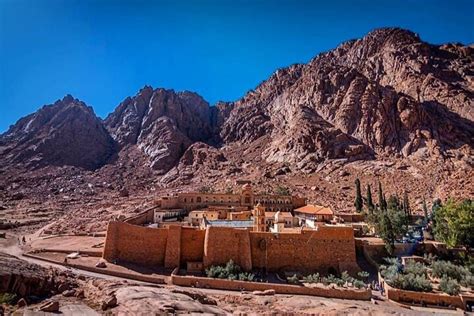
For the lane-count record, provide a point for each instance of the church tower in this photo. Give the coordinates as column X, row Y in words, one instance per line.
column 259, row 219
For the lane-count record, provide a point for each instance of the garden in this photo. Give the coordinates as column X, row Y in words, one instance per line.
column 431, row 275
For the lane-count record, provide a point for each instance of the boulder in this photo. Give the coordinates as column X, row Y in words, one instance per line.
column 51, row 307
column 22, row 303
column 101, row 264
column 109, row 302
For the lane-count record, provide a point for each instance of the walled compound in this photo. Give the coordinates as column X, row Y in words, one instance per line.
column 254, row 245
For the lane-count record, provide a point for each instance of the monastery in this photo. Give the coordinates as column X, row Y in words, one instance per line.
column 267, row 232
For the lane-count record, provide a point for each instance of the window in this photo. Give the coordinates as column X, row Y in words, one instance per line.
column 198, row 199
column 247, row 199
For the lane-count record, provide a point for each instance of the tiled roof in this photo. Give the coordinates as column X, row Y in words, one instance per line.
column 314, row 210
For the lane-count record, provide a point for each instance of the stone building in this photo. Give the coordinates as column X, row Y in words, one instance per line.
column 246, row 200
column 309, row 215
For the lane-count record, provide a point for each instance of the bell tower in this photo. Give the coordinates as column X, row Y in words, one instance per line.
column 259, row 219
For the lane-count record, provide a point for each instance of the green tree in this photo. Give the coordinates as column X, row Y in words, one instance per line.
column 454, row 223
column 358, row 200
column 281, row 190
column 406, row 203
column 370, row 203
column 385, row 231
column 425, row 211
column 382, row 201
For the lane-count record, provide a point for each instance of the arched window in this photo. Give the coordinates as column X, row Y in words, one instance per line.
column 198, row 199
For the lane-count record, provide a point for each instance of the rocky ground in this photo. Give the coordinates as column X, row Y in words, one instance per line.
column 61, row 291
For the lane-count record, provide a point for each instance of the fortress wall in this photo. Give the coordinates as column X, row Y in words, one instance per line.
column 222, row 244
column 142, row 218
column 135, row 244
column 192, row 245
column 329, row 247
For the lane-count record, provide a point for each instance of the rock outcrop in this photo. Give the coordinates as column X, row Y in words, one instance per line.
column 162, row 123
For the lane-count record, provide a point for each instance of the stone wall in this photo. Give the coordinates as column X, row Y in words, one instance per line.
column 136, row 244
column 222, row 244
column 422, row 298
column 146, row 216
column 352, row 294
column 192, row 245
column 322, row 250
column 328, row 249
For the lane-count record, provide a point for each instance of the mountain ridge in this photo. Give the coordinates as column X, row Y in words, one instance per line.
column 388, row 95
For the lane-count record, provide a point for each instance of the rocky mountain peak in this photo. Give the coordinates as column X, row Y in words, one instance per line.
column 64, row 133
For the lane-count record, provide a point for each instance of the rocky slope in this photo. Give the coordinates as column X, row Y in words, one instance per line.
column 388, row 94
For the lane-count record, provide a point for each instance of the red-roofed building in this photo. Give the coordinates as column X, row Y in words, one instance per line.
column 311, row 214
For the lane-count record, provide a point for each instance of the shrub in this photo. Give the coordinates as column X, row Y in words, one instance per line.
column 8, row 298
column 448, row 269
column 312, row 278
column 468, row 281
column 330, row 279
column 363, row 275
column 392, row 268
column 416, row 268
column 449, row 286
column 359, row 284
column 411, row 282
column 230, row 271
column 293, row 279
column 246, row 276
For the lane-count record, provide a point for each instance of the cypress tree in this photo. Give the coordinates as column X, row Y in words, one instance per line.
column 425, row 211
column 406, row 204
column 382, row 200
column 358, row 203
column 370, row 203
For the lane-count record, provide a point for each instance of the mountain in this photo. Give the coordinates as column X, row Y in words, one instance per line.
column 64, row 133
column 163, row 124
column 388, row 107
column 386, row 94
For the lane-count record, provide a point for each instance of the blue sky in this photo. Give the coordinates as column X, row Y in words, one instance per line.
column 104, row 51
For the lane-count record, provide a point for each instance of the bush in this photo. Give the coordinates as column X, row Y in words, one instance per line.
column 230, row 271
column 363, row 275
column 312, row 278
column 8, row 298
column 246, row 276
column 449, row 286
column 411, row 282
column 416, row 268
column 359, row 284
column 448, row 269
column 293, row 279
column 468, row 281
column 281, row 190
column 393, row 268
